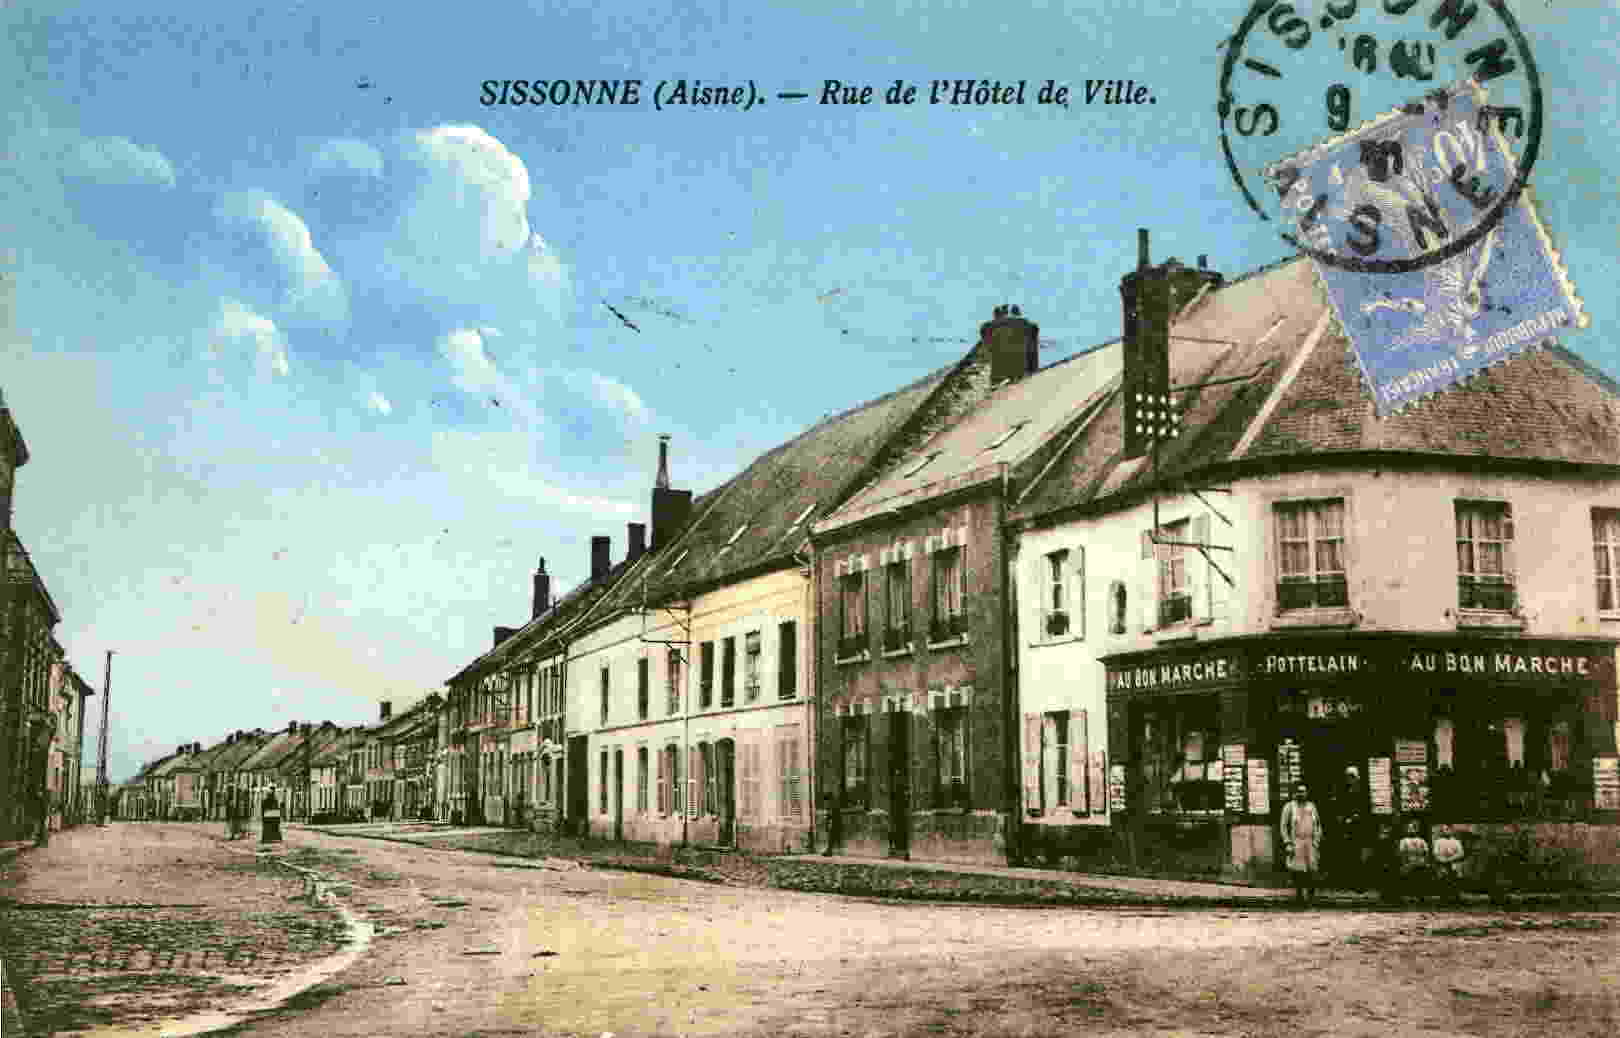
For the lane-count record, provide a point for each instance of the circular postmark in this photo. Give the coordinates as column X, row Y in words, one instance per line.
column 1302, row 81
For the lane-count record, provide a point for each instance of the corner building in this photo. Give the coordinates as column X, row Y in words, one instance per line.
column 1416, row 615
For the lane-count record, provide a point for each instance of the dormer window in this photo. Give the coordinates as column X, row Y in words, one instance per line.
column 1012, row 431
column 919, row 466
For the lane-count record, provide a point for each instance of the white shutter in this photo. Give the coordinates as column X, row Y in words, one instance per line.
column 1097, row 779
column 1199, row 574
column 1032, row 763
column 1077, row 762
column 1049, row 763
column 663, row 785
column 694, row 779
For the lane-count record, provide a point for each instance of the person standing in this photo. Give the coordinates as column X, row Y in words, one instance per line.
column 1301, row 825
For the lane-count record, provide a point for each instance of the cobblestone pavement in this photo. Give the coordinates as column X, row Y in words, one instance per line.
column 481, row 944
column 134, row 923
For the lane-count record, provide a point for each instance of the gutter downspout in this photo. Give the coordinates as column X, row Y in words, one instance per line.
column 812, row 688
column 1011, row 749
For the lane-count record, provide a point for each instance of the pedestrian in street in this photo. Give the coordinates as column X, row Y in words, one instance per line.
column 1347, row 858
column 1412, row 859
column 1301, row 825
column 1448, row 860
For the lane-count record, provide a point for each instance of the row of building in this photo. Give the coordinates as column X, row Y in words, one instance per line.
column 1108, row 610
column 43, row 699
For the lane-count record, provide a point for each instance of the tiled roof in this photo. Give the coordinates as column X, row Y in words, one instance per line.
column 1014, row 425
column 339, row 747
column 1295, row 391
column 231, row 758
column 776, row 498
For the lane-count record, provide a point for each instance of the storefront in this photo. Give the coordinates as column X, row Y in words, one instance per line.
column 1482, row 734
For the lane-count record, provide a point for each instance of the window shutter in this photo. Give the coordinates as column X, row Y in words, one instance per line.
column 674, row 754
column 1098, row 782
column 1509, row 569
column 1147, row 545
column 783, row 807
column 797, row 794
column 1032, row 763
column 1199, row 569
column 694, row 782
column 663, row 786
column 1049, row 763
column 1077, row 762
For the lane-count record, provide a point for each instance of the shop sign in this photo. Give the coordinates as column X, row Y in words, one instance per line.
column 1307, row 664
column 1289, row 768
column 1174, row 675
column 1500, row 664
column 1259, row 776
column 1233, row 774
column 1606, row 783
column 1381, row 785
column 1326, row 708
column 1411, row 751
column 1414, row 788
column 1116, row 789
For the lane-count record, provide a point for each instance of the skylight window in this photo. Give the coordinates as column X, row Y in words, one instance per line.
column 678, row 559
column 803, row 515
column 1012, row 431
column 920, row 465
column 736, row 535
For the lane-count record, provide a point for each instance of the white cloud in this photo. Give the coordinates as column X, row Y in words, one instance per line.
column 236, row 325
column 475, row 372
column 505, row 461
column 477, row 182
column 313, row 290
column 118, row 160
column 346, row 155
column 612, row 393
column 379, row 403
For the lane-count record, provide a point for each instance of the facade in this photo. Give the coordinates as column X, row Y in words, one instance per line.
column 1416, row 615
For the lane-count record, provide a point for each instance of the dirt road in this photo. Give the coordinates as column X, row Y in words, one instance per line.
column 474, row 944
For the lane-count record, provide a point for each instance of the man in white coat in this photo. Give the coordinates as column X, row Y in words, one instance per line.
column 1302, row 842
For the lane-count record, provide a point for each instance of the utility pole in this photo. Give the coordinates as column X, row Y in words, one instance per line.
column 101, row 765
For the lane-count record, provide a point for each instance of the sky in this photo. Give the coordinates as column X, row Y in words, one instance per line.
column 316, row 353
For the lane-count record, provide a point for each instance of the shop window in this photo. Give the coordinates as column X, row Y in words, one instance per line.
column 1310, row 555
column 951, row 752
column 856, row 790
column 1484, row 556
column 1180, row 754
column 897, row 582
column 752, row 649
column 950, row 595
column 1606, row 550
column 1508, row 765
column 852, row 615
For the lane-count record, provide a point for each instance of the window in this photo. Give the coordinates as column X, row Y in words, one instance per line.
column 751, row 654
column 643, row 689
column 1118, row 598
column 604, row 784
column 1055, row 759
column 787, row 660
column 950, row 594
column 669, row 781
column 789, row 758
column 1175, row 592
column 748, row 784
column 710, row 790
column 604, row 695
column 897, row 635
column 706, row 675
column 728, row 672
column 1310, row 555
column 694, row 779
column 641, row 780
column 1492, row 761
column 1055, row 600
column 1180, row 753
column 951, row 751
column 1484, row 556
column 1606, row 548
column 672, row 677
column 855, row 790
column 852, row 615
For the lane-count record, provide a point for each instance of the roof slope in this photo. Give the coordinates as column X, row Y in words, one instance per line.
column 1291, row 387
column 763, row 514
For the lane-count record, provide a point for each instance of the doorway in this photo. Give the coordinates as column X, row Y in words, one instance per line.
column 899, row 784
column 578, row 794
column 725, row 767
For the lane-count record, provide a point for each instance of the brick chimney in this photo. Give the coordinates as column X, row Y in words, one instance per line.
column 1011, row 342
column 503, row 633
column 638, row 541
column 1151, row 296
column 670, row 508
column 542, row 590
column 601, row 556
column 385, row 710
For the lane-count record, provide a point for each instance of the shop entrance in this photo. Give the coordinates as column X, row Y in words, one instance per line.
column 1333, row 738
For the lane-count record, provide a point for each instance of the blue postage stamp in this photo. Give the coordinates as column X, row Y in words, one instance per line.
column 1434, row 268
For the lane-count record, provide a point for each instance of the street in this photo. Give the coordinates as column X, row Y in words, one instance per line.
column 468, row 943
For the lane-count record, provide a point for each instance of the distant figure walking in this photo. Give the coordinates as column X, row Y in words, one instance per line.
column 270, row 817
column 1301, row 825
